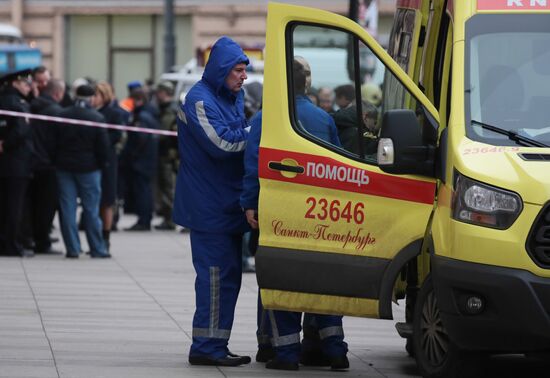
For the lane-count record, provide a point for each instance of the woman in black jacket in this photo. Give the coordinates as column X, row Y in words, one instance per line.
column 104, row 102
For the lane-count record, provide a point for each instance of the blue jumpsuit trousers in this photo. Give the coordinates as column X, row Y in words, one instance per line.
column 282, row 329
column 217, row 262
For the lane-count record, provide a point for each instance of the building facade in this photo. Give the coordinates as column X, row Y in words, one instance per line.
column 123, row 40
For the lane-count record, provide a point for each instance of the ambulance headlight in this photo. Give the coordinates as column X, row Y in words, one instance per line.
column 484, row 205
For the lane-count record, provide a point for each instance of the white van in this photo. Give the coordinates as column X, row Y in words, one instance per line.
column 187, row 76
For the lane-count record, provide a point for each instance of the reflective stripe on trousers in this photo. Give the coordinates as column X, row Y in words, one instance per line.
column 277, row 340
column 212, row 330
column 331, row 331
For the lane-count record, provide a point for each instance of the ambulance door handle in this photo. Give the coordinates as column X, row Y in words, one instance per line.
column 276, row 166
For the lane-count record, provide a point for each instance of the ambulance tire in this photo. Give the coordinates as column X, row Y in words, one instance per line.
column 436, row 355
column 409, row 347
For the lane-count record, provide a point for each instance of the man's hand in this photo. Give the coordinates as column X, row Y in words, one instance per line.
column 251, row 218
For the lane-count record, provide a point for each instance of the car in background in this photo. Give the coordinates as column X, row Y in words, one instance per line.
column 191, row 72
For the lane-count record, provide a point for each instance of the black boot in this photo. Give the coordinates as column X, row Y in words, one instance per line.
column 106, row 238
column 314, row 357
column 339, row 363
column 265, row 354
column 281, row 365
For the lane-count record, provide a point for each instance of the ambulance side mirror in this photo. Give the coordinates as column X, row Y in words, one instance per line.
column 403, row 147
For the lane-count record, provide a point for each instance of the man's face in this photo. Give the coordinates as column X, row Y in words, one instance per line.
column 342, row 102
column 41, row 80
column 236, row 77
column 370, row 123
column 23, row 86
column 163, row 96
column 59, row 94
column 325, row 99
column 307, row 70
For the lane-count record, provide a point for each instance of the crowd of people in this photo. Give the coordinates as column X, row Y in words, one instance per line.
column 55, row 165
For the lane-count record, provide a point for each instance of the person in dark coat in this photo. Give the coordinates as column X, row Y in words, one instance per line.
column 283, row 337
column 43, row 186
column 348, row 127
column 140, row 160
column 81, row 153
column 16, row 151
column 104, row 102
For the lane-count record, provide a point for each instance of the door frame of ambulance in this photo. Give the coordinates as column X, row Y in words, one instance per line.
column 334, row 228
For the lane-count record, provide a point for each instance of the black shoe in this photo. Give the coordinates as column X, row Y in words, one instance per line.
column 28, row 244
column 138, row 227
column 314, row 358
column 27, row 253
column 94, row 255
column 224, row 361
column 281, row 365
column 48, row 251
column 265, row 354
column 339, row 363
column 10, row 254
column 246, row 359
column 71, row 255
column 165, row 226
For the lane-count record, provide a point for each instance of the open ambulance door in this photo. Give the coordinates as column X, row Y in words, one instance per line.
column 335, row 230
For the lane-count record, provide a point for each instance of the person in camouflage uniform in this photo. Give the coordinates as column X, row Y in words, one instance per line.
column 168, row 155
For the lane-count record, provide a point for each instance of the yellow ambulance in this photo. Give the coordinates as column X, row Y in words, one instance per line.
column 439, row 188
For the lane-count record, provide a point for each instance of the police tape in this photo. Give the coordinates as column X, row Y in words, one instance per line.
column 87, row 123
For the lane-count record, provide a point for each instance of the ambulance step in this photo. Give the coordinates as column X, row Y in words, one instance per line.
column 405, row 330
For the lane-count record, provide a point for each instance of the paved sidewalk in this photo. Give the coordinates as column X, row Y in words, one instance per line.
column 130, row 316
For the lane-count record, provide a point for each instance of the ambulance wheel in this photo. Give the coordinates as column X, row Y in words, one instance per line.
column 436, row 355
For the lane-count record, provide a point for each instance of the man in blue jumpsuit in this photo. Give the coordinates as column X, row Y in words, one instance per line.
column 212, row 135
column 285, row 325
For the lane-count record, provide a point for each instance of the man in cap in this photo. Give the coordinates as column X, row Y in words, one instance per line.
column 81, row 153
column 15, row 160
column 168, row 154
column 128, row 103
column 139, row 159
column 212, row 133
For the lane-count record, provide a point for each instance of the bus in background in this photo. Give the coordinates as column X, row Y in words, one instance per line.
column 15, row 53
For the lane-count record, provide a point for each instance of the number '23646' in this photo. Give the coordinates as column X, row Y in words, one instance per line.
column 322, row 209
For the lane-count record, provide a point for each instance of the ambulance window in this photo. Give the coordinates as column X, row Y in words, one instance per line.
column 320, row 86
column 331, row 102
column 507, row 76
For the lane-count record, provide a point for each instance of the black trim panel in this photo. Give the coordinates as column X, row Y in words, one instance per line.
column 319, row 272
column 390, row 276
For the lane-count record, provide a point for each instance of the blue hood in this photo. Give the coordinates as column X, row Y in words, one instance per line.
column 225, row 54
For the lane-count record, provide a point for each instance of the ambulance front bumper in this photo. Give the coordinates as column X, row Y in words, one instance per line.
column 514, row 318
